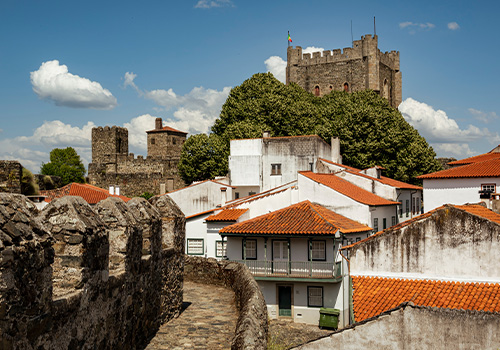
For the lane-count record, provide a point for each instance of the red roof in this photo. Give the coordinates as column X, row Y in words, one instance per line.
column 487, row 168
column 91, row 194
column 474, row 209
column 476, row 159
column 374, row 295
column 347, row 189
column 303, row 218
column 227, row 215
column 166, row 128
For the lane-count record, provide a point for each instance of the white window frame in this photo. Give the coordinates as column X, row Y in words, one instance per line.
column 189, row 248
column 220, row 247
column 247, row 249
column 276, row 169
column 314, row 296
column 320, row 251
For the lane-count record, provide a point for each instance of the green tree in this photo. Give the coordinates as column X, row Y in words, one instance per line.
column 66, row 164
column 28, row 185
column 203, row 157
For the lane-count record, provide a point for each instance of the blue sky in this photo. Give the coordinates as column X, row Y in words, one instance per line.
column 67, row 66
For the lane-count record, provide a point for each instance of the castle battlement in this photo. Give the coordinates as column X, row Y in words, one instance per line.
column 73, row 276
column 360, row 67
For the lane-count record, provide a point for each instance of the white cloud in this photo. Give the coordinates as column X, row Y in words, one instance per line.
column 194, row 112
column 277, row 66
column 442, row 132
column 137, row 128
column 453, row 26
column 485, row 117
column 312, row 49
column 206, row 4
column 414, row 26
column 129, row 80
column 53, row 82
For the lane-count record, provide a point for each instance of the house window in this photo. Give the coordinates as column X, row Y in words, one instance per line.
column 153, row 141
column 315, row 296
column 384, row 223
column 488, row 187
column 220, row 248
column 195, row 246
column 250, row 249
column 318, row 250
column 414, row 205
column 375, row 224
column 275, row 169
column 251, row 193
column 418, row 205
column 311, row 166
column 393, row 221
column 358, row 239
column 236, row 195
column 407, row 207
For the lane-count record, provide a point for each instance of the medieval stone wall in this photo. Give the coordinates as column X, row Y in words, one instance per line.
column 76, row 277
column 112, row 165
column 251, row 328
column 358, row 68
column 11, row 172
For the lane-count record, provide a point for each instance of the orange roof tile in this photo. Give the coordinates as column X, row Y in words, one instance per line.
column 387, row 181
column 475, row 209
column 227, row 215
column 374, row 295
column 91, row 194
column 487, row 168
column 475, row 159
column 347, row 189
column 166, row 128
column 303, row 218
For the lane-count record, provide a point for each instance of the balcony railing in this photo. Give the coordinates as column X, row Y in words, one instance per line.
column 293, row 269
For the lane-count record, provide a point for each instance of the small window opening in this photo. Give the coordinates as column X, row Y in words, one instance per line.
column 316, row 90
column 346, row 87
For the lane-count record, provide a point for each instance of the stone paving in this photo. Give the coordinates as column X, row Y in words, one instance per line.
column 207, row 322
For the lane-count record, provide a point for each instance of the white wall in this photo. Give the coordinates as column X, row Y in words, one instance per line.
column 370, row 185
column 200, row 197
column 454, row 191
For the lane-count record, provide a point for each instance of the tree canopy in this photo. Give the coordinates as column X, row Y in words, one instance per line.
column 371, row 132
column 66, row 164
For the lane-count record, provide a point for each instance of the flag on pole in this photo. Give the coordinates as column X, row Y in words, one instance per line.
column 289, row 39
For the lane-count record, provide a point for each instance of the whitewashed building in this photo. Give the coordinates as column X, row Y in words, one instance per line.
column 293, row 253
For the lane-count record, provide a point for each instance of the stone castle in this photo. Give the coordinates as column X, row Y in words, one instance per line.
column 358, row 68
column 113, row 167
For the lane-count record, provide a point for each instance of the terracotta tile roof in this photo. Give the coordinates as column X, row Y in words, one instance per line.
column 303, row 218
column 476, row 159
column 387, row 181
column 166, row 128
column 347, row 189
column 201, row 213
column 227, row 215
column 475, row 209
column 91, row 194
column 374, row 295
column 487, row 168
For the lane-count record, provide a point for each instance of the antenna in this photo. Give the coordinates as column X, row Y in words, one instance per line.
column 374, row 27
column 352, row 38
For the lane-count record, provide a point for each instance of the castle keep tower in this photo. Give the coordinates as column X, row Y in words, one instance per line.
column 358, row 68
column 113, row 167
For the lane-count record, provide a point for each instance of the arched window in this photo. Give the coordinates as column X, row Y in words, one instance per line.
column 316, row 90
column 346, row 87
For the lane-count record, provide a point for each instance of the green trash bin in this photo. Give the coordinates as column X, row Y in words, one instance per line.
column 329, row 318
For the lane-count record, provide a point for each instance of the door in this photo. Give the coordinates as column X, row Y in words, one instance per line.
column 280, row 257
column 285, row 301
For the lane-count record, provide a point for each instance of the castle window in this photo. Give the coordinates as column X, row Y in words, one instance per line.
column 174, row 140
column 316, row 90
column 153, row 141
column 346, row 87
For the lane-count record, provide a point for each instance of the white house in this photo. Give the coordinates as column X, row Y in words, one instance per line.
column 202, row 196
column 257, row 165
column 293, row 255
column 347, row 199
column 371, row 180
column 471, row 183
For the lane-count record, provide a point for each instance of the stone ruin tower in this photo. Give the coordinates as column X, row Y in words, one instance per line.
column 358, row 68
column 113, row 167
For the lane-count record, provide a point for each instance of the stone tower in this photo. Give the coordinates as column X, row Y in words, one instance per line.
column 108, row 144
column 164, row 142
column 358, row 68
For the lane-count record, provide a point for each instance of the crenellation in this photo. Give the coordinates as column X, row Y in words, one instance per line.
column 119, row 311
column 360, row 67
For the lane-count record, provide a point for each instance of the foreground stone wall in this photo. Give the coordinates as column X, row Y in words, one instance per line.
column 252, row 328
column 414, row 327
column 11, row 172
column 76, row 277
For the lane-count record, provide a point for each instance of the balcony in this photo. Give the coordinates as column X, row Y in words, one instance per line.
column 289, row 270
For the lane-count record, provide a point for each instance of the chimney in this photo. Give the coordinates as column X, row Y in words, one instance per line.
column 335, row 150
column 266, row 134
column 223, row 196
column 111, row 189
column 117, row 190
column 158, row 124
